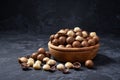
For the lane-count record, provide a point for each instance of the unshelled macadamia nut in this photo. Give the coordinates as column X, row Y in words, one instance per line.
column 89, row 64
column 22, row 60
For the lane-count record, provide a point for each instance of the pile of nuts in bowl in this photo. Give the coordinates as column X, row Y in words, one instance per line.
column 74, row 38
column 42, row 60
column 67, row 38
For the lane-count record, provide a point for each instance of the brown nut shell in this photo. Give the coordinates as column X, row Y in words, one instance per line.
column 70, row 40
column 76, row 44
column 89, row 64
column 41, row 51
column 40, row 57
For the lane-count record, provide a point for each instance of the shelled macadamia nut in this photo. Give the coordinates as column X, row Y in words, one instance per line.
column 46, row 59
column 37, row 65
column 69, row 65
column 68, row 46
column 79, row 38
column 46, row 67
column 60, row 67
column 84, row 34
column 51, row 62
column 70, row 33
column 93, row 34
column 30, row 62
column 77, row 29
column 61, row 46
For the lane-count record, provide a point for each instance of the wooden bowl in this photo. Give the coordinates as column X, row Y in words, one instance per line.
column 73, row 54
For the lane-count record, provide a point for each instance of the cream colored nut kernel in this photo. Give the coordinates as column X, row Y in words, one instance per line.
column 30, row 62
column 79, row 38
column 23, row 59
column 77, row 29
column 70, row 33
column 46, row 67
column 60, row 67
column 69, row 65
column 92, row 34
column 51, row 62
column 46, row 59
column 38, row 62
column 36, row 66
column 84, row 34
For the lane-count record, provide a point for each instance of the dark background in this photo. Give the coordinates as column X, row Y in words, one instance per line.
column 25, row 26
column 47, row 16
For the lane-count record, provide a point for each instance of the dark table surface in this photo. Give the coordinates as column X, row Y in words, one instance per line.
column 14, row 45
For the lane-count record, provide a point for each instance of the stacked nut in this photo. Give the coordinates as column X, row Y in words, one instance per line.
column 41, row 60
column 74, row 38
column 34, row 60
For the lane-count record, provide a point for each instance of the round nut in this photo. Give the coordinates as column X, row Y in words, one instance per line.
column 70, row 33
column 34, row 55
column 96, row 38
column 79, row 38
column 84, row 34
column 70, row 40
column 36, row 66
column 68, row 46
column 89, row 64
column 40, row 57
column 77, row 29
column 91, row 42
column 61, row 46
column 62, row 32
column 78, row 33
column 51, row 62
column 55, row 42
column 69, row 65
column 51, row 37
column 22, row 60
column 93, row 34
column 76, row 44
column 62, row 40
column 60, row 67
column 30, row 62
column 41, row 51
column 46, row 67
column 84, row 43
column 38, row 62
column 56, row 36
column 46, row 59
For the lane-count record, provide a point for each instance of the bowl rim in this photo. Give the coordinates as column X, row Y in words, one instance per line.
column 73, row 49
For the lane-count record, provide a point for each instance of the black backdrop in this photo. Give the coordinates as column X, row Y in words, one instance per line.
column 25, row 26
column 48, row 16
